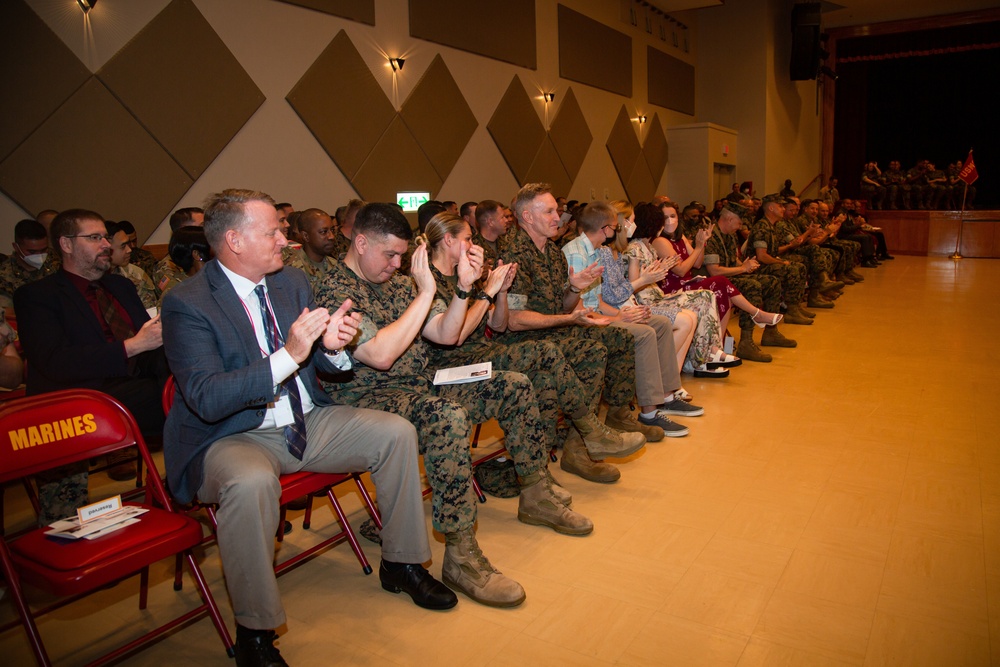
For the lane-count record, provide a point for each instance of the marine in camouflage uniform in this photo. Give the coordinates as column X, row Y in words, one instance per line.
column 893, row 178
column 13, row 275
column 340, row 245
column 557, row 386
column 762, row 290
column 913, row 187
column 936, row 188
column 540, row 284
column 443, row 415
column 792, row 275
column 144, row 259
column 143, row 284
column 817, row 260
column 315, row 272
column 871, row 186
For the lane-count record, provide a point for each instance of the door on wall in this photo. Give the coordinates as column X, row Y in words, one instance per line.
column 724, row 175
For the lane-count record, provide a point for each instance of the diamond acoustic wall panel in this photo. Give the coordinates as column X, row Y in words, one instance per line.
column 640, row 167
column 37, row 73
column 192, row 95
column 347, row 132
column 532, row 153
column 109, row 163
column 379, row 151
column 362, row 11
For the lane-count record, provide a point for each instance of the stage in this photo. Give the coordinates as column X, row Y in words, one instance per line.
column 935, row 232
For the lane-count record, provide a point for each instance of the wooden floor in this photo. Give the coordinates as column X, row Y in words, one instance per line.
column 839, row 506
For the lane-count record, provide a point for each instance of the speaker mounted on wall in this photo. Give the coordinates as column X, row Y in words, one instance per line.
column 805, row 61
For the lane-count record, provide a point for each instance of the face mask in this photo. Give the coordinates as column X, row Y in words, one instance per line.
column 629, row 229
column 565, row 217
column 35, row 260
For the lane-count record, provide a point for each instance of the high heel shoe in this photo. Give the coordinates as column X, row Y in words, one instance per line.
column 767, row 319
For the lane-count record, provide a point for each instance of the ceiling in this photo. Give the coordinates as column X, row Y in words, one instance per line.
column 857, row 12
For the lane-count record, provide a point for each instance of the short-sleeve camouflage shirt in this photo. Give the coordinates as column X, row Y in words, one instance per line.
column 763, row 235
column 380, row 305
column 541, row 274
column 721, row 249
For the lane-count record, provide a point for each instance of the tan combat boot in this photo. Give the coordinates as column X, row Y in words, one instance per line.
column 468, row 571
column 855, row 276
column 538, row 506
column 774, row 338
column 749, row 351
column 816, row 300
column 602, row 441
column 794, row 315
column 621, row 419
column 826, row 284
column 561, row 494
column 577, row 461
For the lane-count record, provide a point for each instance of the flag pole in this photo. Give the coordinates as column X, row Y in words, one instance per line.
column 961, row 225
column 961, row 214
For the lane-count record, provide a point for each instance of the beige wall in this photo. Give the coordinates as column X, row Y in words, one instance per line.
column 742, row 83
column 739, row 85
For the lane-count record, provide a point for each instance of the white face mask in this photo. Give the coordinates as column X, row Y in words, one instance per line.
column 565, row 217
column 629, row 229
column 36, row 260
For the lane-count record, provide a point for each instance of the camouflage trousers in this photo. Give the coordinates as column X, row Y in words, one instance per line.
column 444, row 418
column 792, row 277
column 874, row 194
column 559, row 385
column 817, row 260
column 848, row 253
column 761, row 290
column 595, row 353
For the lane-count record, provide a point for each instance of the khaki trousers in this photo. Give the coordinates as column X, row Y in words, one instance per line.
column 656, row 370
column 241, row 475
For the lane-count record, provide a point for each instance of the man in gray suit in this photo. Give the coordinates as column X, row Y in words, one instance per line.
column 244, row 339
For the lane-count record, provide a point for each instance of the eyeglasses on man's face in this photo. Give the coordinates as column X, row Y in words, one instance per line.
column 96, row 238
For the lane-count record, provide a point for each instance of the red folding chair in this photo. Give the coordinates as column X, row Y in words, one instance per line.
column 52, row 430
column 301, row 484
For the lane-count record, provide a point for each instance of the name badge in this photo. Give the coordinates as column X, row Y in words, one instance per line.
column 283, row 415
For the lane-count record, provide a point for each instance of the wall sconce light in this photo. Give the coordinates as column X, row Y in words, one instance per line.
column 396, row 64
column 86, row 5
column 548, row 97
column 641, row 119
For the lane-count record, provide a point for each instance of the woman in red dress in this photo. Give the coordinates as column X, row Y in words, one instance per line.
column 671, row 242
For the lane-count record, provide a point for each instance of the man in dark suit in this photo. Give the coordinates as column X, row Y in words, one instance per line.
column 245, row 339
column 83, row 327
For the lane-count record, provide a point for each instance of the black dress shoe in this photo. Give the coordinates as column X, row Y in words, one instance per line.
column 870, row 263
column 255, row 648
column 417, row 582
column 887, row 256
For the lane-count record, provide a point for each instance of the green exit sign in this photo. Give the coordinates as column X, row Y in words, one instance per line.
column 411, row 201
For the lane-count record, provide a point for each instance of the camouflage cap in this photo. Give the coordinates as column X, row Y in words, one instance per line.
column 773, row 199
column 734, row 207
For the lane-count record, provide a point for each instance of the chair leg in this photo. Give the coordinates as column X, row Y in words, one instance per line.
column 307, row 519
column 143, row 587
column 281, row 524
column 348, row 532
column 27, row 620
column 178, row 573
column 477, row 488
column 372, row 509
column 213, row 609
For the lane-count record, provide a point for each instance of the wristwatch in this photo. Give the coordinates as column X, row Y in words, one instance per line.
column 461, row 293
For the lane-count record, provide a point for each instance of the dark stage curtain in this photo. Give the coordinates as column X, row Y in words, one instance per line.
column 918, row 95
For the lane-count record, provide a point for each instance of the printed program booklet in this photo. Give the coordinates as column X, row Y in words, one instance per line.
column 463, row 374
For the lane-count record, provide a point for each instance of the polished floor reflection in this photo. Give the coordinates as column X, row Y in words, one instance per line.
column 839, row 506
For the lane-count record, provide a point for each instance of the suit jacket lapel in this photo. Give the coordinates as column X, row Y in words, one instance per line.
column 232, row 307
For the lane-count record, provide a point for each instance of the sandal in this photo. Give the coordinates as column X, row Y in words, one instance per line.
column 766, row 319
column 719, row 359
column 682, row 395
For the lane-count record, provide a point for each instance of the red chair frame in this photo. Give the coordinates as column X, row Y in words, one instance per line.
column 71, row 426
column 298, row 485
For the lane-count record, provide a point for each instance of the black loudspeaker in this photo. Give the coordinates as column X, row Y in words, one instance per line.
column 805, row 41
